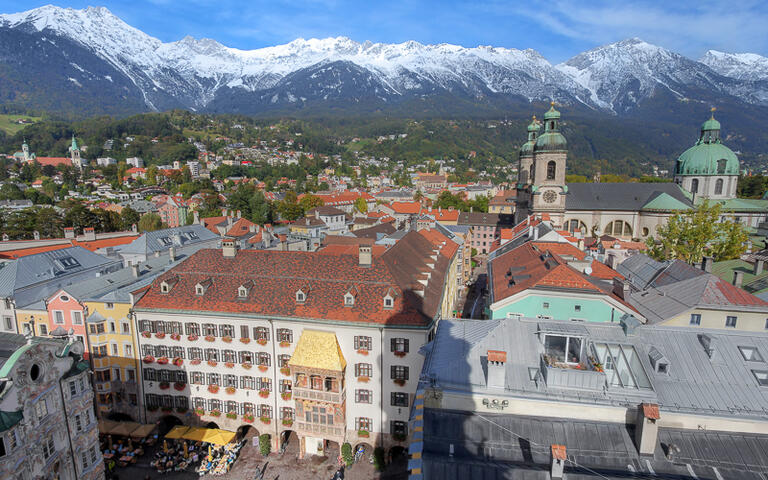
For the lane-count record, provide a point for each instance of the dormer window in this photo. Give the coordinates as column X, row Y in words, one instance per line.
column 244, row 289
column 349, row 300
column 301, row 297
column 389, row 302
column 202, row 287
column 242, row 292
column 164, row 287
column 199, row 290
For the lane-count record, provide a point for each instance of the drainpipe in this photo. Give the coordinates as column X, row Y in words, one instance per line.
column 275, row 378
column 140, row 373
column 381, row 399
column 69, row 432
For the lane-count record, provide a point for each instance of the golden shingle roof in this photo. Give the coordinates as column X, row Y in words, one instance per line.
column 317, row 349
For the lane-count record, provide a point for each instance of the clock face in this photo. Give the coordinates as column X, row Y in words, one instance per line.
column 549, row 196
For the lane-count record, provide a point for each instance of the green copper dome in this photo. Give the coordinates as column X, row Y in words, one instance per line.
column 551, row 139
column 533, row 132
column 709, row 156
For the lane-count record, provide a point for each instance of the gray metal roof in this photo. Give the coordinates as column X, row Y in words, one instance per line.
column 619, row 196
column 162, row 240
column 498, row 446
column 693, row 384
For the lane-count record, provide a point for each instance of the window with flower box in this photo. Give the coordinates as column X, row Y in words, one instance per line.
column 214, row 404
column 399, row 345
column 165, row 375
column 149, row 374
column 363, row 370
column 177, row 352
column 399, row 372
column 148, row 350
column 399, row 399
column 263, row 358
column 192, row 329
column 212, row 354
column 264, row 411
column 209, row 329
column 145, row 325
column 246, row 408
column 364, row 424
column 287, row 413
column 248, row 382
column 166, row 401
column 264, row 383
column 228, row 356
column 198, row 378
column 230, row 381
column 363, row 396
column 181, row 402
column 226, row 330
column 214, row 379
column 173, row 327
column 161, row 351
column 195, row 353
column 198, row 402
column 157, row 326
column 231, row 406
column 285, row 335
column 282, row 360
column 261, row 333
column 245, row 357
column 243, row 331
column 363, row 343
column 285, row 386
column 152, row 400
column 179, row 376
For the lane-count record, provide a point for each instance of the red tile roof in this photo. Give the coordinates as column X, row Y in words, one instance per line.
column 405, row 208
column 89, row 245
column 441, row 215
column 241, row 227
column 53, row 161
column 497, row 356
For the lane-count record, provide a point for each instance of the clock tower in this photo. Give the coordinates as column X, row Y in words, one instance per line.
column 548, row 189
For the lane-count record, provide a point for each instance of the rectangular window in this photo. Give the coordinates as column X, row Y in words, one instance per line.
column 198, row 378
column 284, row 335
column 363, row 396
column 263, row 358
column 181, row 401
column 730, row 321
column 563, row 349
column 285, row 386
column 399, row 372
column 399, row 345
column 77, row 317
column 43, row 329
column 228, row 356
column 213, row 379
column 244, row 331
column 246, row 408
column 248, row 383
column 364, row 423
column 264, row 383
column 264, row 411
column 695, row 319
column 195, row 353
column 209, row 330
column 177, row 352
column 287, row 413
column 192, row 329
column 41, row 408
column 58, row 317
column 230, row 381
column 72, row 389
column 78, row 424
column 282, row 360
column 751, row 354
column 363, row 343
column 8, row 322
column 398, row 428
column 761, row 377
column 48, row 448
column 226, row 331
column 577, row 308
column 260, row 333
column 363, row 370
column 245, row 357
column 545, row 305
column 125, row 328
column 399, row 399
column 211, row 354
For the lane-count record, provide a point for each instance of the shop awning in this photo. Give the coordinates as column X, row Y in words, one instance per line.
column 106, row 426
column 177, row 432
column 143, row 430
column 209, row 435
column 125, row 428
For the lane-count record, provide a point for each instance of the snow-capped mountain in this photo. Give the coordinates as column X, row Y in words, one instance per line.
column 204, row 74
column 742, row 66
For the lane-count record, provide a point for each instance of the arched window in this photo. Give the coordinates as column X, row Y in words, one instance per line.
column 575, row 226
column 551, row 170
column 721, row 165
column 695, row 185
column 618, row 228
column 719, row 186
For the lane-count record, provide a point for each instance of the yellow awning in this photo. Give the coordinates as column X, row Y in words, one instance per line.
column 177, row 432
column 316, row 349
column 209, row 435
column 125, row 428
column 143, row 430
column 106, row 426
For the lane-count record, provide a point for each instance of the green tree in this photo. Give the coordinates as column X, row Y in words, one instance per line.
column 289, row 209
column 691, row 235
column 346, row 453
column 152, row 175
column 308, row 202
column 129, row 217
column 361, row 205
column 76, row 215
column 265, row 445
column 260, row 208
column 150, row 222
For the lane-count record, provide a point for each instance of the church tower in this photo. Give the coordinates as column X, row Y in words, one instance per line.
column 25, row 151
column 74, row 152
column 525, row 161
column 548, row 189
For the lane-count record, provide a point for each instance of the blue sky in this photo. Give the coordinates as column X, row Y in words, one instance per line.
column 558, row 29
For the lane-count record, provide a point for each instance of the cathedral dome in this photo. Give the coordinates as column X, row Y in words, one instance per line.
column 533, row 131
column 551, row 140
column 708, row 156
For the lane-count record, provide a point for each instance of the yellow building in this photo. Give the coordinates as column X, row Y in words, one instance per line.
column 115, row 359
column 26, row 317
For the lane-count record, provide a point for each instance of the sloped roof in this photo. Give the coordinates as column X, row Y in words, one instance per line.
column 664, row 202
column 318, row 349
column 151, row 242
column 619, row 196
column 240, row 228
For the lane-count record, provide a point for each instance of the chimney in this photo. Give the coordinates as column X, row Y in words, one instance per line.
column 365, row 257
column 738, row 277
column 90, row 234
column 135, row 270
column 471, row 209
column 5, row 237
column 646, row 429
column 621, row 287
column 228, row 248
column 580, row 244
column 706, row 264
column 172, row 254
column 69, row 232
column 558, row 462
column 497, row 370
column 759, row 264
column 239, row 214
column 252, row 228
column 223, row 212
column 36, row 234
column 196, row 218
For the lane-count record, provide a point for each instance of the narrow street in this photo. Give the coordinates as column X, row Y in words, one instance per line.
column 473, row 305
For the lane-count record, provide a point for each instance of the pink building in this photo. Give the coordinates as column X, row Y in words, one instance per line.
column 67, row 312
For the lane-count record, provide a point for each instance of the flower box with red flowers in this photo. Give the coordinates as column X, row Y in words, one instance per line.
column 246, row 366
column 266, row 420
column 285, row 371
column 400, row 354
column 229, row 364
column 248, row 418
column 262, row 341
column 212, row 363
column 199, row 412
column 363, row 433
column 231, row 415
column 192, row 338
column 263, row 393
column 227, row 339
column 210, row 338
column 146, row 334
column 148, row 359
column 160, row 335
column 178, row 361
column 215, row 413
column 287, row 422
column 286, row 395
column 164, row 385
column 231, row 390
column 175, row 336
column 245, row 340
column 162, row 360
column 263, row 368
column 362, row 352
column 179, row 386
column 196, row 361
column 285, row 344
column 399, row 381
column 213, row 388
column 363, row 379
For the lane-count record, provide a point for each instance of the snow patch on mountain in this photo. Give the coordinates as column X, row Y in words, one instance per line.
column 742, row 66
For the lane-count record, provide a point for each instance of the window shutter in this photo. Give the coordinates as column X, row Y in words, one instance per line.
column 405, row 373
column 392, row 372
column 405, row 346
column 393, row 345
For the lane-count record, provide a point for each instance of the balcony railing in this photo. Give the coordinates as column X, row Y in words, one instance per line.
column 318, row 395
column 306, row 427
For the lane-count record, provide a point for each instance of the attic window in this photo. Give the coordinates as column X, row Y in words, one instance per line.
column 751, row 354
column 301, row 297
column 191, row 234
column 761, row 376
column 166, row 241
column 164, row 287
column 68, row 263
column 349, row 300
column 242, row 292
column 388, row 302
column 199, row 289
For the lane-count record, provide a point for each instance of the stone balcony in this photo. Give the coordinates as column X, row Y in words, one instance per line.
column 334, row 430
column 300, row 393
